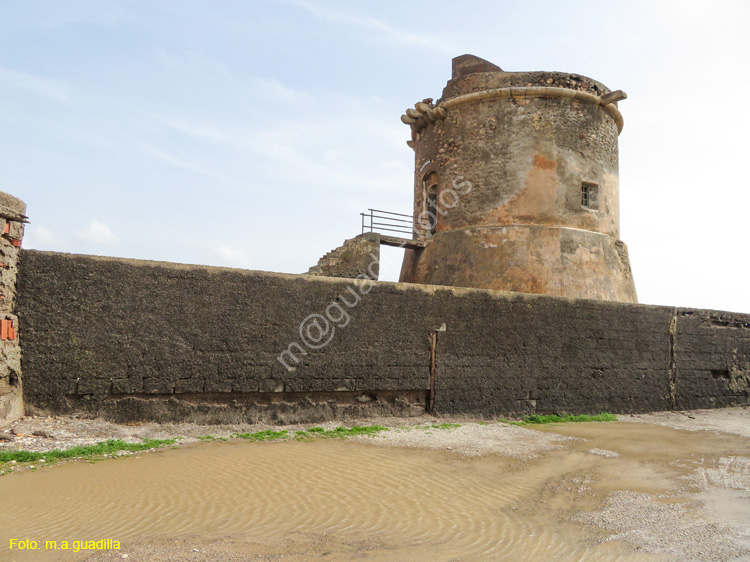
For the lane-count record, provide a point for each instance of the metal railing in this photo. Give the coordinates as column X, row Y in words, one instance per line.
column 375, row 220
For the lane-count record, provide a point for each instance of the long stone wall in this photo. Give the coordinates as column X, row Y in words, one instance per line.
column 136, row 340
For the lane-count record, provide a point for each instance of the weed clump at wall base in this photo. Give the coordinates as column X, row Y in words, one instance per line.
column 265, row 435
column 541, row 419
column 339, row 432
column 90, row 451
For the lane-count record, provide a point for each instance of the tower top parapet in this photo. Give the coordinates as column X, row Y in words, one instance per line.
column 473, row 74
column 471, row 64
column 475, row 80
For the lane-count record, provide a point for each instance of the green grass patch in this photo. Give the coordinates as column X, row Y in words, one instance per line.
column 542, row 419
column 355, row 431
column 338, row 433
column 265, row 435
column 306, row 434
column 206, row 438
column 445, row 425
column 84, row 452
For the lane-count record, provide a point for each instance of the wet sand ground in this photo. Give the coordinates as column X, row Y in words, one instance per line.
column 591, row 491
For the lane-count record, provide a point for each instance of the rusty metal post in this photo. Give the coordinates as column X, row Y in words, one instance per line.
column 433, row 348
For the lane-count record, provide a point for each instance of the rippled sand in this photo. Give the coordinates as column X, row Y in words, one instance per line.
column 611, row 491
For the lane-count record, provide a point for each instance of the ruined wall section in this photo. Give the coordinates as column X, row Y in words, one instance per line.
column 356, row 257
column 12, row 220
column 135, row 340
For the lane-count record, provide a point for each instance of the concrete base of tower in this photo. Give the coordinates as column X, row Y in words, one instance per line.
column 547, row 260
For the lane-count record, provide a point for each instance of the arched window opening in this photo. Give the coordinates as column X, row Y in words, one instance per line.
column 430, row 184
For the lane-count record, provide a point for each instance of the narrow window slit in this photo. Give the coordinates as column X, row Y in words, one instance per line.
column 590, row 196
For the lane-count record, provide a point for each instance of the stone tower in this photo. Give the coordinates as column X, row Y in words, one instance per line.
column 516, row 185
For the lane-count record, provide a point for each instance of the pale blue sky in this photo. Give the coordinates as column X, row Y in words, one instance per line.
column 252, row 133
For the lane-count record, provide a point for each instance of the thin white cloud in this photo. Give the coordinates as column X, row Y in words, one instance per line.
column 202, row 132
column 47, row 87
column 42, row 238
column 301, row 146
column 98, row 233
column 180, row 163
column 233, row 256
column 98, row 12
column 404, row 37
column 271, row 89
column 193, row 64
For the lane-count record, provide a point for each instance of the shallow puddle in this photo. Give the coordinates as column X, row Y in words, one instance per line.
column 333, row 500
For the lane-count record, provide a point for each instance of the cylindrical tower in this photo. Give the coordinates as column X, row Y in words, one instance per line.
column 516, row 185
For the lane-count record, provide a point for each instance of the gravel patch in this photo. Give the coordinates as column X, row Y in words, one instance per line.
column 474, row 440
column 734, row 420
column 709, row 523
column 730, row 472
column 40, row 434
column 603, row 453
column 656, row 524
column 468, row 439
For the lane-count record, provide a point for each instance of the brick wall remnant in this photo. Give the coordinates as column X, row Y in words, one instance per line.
column 12, row 219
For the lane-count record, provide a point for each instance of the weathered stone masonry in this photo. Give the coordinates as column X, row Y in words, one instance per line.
column 516, row 176
column 356, row 257
column 134, row 340
column 12, row 219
